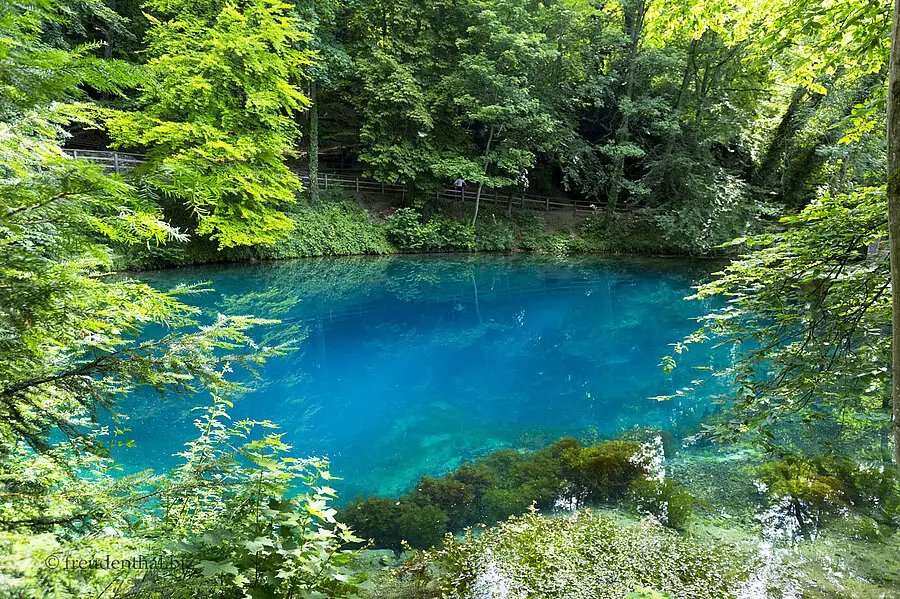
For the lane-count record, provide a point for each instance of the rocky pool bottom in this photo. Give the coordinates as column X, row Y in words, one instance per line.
column 754, row 527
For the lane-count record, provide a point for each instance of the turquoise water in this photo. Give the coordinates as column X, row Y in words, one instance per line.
column 411, row 365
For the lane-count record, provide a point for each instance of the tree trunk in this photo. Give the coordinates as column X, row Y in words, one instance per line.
column 893, row 193
column 635, row 13
column 313, row 154
column 108, row 34
column 487, row 152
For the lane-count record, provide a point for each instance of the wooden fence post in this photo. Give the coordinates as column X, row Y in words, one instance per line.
column 357, row 185
column 116, row 161
column 547, row 205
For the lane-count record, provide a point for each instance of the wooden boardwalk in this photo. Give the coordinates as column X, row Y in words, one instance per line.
column 124, row 162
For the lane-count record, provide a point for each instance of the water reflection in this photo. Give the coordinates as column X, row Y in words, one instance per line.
column 409, row 366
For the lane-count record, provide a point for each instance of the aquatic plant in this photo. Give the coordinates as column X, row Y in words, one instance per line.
column 606, row 470
column 391, row 523
column 584, row 555
column 508, row 482
column 645, row 593
column 454, row 498
column 871, row 488
column 500, row 504
column 374, row 518
column 808, row 494
column 421, row 526
column 666, row 500
column 646, row 434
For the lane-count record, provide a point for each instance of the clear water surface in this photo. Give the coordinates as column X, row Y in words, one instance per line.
column 411, row 365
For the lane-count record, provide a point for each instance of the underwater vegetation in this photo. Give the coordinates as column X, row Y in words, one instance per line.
column 585, row 555
column 508, row 482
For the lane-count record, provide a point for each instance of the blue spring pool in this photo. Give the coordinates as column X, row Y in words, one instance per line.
column 411, row 365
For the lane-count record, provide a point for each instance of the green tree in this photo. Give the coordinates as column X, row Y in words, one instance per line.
column 217, row 114
column 321, row 18
column 494, row 99
column 807, row 320
column 73, row 340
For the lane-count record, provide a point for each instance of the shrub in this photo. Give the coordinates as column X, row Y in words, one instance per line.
column 329, row 229
column 450, row 235
column 493, row 234
column 634, row 233
column 406, row 229
column 557, row 244
column 530, row 229
column 719, row 208
column 237, row 517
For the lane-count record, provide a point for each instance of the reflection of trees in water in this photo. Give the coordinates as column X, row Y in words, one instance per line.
column 573, row 320
column 615, row 303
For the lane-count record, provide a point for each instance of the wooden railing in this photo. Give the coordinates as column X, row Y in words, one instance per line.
column 497, row 197
column 525, row 201
column 117, row 162
column 120, row 162
column 357, row 185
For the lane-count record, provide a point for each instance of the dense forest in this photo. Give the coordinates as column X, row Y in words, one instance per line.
column 754, row 133
column 705, row 120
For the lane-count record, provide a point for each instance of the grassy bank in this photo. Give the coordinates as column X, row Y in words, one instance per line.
column 340, row 225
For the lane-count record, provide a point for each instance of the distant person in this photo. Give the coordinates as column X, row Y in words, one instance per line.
column 878, row 250
column 460, row 185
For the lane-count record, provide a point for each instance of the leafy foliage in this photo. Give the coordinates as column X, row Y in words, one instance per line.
column 584, row 555
column 331, row 229
column 436, row 235
column 240, row 516
column 218, row 114
column 807, row 317
column 813, row 490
